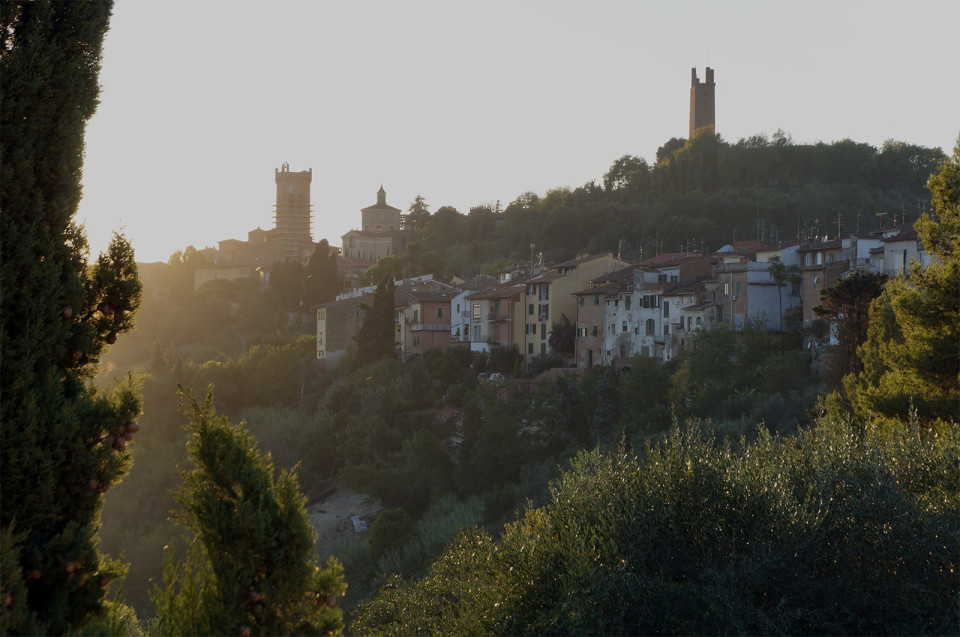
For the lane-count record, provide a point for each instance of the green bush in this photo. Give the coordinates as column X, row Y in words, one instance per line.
column 833, row 531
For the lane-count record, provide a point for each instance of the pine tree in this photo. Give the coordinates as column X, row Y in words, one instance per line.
column 376, row 338
column 911, row 358
column 251, row 569
column 417, row 215
column 847, row 302
column 62, row 440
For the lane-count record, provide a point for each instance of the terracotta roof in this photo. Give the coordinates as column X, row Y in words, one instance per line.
column 905, row 235
column 546, row 278
column 575, row 262
column 616, row 275
column 682, row 288
column 430, row 296
column 600, row 289
column 499, row 292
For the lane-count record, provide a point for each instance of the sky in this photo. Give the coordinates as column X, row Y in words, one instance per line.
column 470, row 103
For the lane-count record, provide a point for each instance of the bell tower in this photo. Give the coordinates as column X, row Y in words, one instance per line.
column 702, row 102
column 292, row 213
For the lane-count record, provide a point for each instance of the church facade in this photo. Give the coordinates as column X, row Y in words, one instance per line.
column 380, row 234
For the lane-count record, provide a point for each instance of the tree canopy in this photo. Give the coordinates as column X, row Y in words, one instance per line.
column 64, row 442
column 911, row 357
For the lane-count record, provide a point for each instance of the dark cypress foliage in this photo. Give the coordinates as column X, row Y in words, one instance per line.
column 376, row 338
column 62, row 440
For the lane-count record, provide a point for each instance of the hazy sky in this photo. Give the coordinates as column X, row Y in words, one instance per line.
column 468, row 103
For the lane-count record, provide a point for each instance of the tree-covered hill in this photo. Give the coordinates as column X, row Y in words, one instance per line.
column 701, row 193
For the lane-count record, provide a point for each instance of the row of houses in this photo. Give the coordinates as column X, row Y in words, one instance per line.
column 616, row 309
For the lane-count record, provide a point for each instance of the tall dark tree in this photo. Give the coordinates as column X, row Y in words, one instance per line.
column 782, row 274
column 376, row 338
column 847, row 304
column 417, row 215
column 62, row 440
column 287, row 284
column 322, row 282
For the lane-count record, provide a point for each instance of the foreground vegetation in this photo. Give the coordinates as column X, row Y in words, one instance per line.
column 832, row 531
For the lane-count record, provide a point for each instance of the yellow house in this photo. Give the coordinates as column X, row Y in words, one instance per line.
column 549, row 298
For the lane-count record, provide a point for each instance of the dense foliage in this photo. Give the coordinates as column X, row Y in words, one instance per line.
column 62, row 440
column 911, row 357
column 701, row 194
column 830, row 532
column 253, row 570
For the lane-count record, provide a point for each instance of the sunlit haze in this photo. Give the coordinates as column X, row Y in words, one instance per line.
column 468, row 103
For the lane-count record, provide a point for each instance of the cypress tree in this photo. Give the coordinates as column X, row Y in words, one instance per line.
column 252, row 568
column 323, row 280
column 376, row 338
column 62, row 440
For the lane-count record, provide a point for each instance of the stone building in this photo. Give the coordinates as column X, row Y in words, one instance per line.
column 292, row 213
column 702, row 102
column 379, row 235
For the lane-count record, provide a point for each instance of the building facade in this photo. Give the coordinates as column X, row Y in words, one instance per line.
column 379, row 235
column 292, row 213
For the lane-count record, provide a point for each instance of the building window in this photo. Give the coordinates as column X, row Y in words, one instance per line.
column 626, row 302
column 440, row 312
column 699, row 322
column 739, row 287
column 651, row 327
column 476, row 333
column 596, row 300
column 666, row 308
column 416, row 316
column 477, row 311
column 624, row 326
column 544, row 291
column 531, row 290
column 543, row 331
column 689, row 323
column 596, row 330
column 666, row 329
column 530, row 348
column 579, row 300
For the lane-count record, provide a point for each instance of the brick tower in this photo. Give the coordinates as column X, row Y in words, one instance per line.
column 702, row 102
column 292, row 213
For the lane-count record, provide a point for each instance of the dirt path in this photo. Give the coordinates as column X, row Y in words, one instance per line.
column 332, row 518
